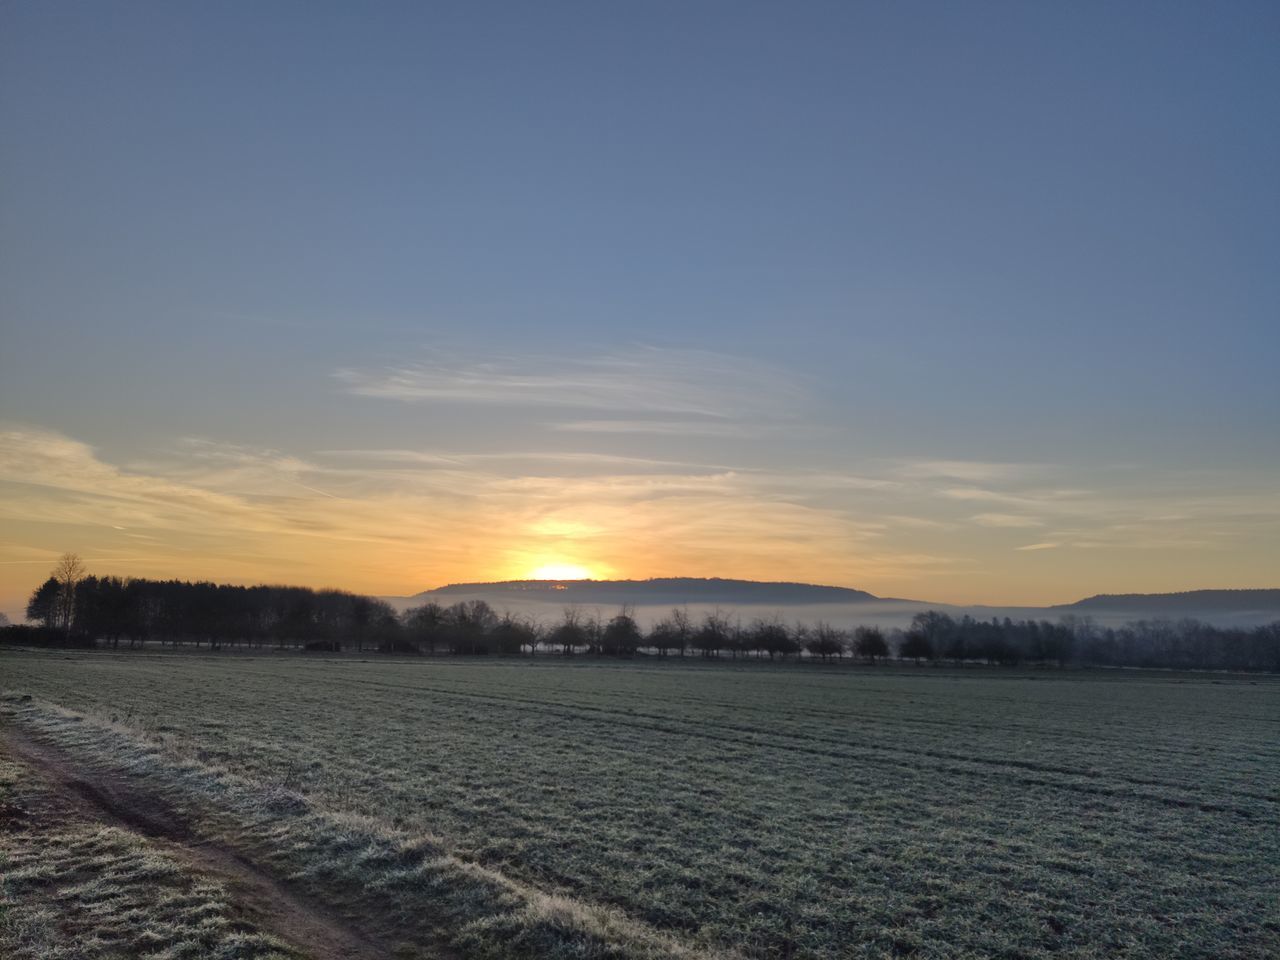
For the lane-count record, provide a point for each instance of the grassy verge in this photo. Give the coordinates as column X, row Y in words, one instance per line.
column 404, row 888
column 74, row 889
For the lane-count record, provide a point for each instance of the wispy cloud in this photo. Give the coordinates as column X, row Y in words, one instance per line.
column 916, row 523
column 971, row 471
column 1024, row 497
column 672, row 428
column 1005, row 520
column 428, row 457
column 397, row 518
column 638, row 380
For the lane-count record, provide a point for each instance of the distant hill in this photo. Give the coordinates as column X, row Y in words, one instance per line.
column 840, row 606
column 661, row 590
column 1188, row 603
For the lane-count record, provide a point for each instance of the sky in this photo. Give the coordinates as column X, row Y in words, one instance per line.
column 963, row 302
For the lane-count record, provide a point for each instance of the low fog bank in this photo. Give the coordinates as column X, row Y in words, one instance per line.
column 885, row 614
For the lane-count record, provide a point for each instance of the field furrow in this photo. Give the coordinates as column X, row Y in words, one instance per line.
column 754, row 809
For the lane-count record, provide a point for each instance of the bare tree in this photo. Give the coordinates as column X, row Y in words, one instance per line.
column 869, row 642
column 569, row 633
column 470, row 622
column 512, row 633
column 825, row 641
column 682, row 628
column 916, row 645
column 621, row 636
column 68, row 571
column 663, row 636
column 713, row 635
column 772, row 637
column 426, row 624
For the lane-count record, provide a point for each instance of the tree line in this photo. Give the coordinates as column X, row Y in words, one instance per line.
column 1183, row 644
column 88, row 610
column 73, row 608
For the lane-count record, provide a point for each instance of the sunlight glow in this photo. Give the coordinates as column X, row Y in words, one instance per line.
column 560, row 571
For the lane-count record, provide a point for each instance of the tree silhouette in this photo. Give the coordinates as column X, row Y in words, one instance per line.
column 511, row 634
column 470, row 622
column 43, row 605
column 825, row 641
column 569, row 634
column 713, row 635
column 68, row 571
column 916, row 646
column 621, row 636
column 663, row 636
column 682, row 628
column 869, row 642
column 426, row 625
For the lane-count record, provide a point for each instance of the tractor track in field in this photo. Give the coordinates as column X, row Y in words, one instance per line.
column 260, row 898
column 1024, row 772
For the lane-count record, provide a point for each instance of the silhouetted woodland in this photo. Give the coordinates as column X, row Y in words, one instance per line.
column 72, row 609
column 113, row 611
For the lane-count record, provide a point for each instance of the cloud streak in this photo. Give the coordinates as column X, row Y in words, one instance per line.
column 971, row 471
column 648, row 380
column 397, row 519
column 669, row 428
column 1006, row 520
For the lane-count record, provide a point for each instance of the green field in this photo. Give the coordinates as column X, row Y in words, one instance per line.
column 586, row 808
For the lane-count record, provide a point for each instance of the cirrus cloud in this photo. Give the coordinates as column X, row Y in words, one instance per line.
column 692, row 383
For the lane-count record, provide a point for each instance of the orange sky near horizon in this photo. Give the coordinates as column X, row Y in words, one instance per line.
column 392, row 524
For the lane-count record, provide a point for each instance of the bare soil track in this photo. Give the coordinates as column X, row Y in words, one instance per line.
column 262, row 899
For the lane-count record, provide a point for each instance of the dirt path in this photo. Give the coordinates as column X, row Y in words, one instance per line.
column 259, row 897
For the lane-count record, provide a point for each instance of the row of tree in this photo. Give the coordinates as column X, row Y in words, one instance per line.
column 1183, row 644
column 73, row 608
column 112, row 610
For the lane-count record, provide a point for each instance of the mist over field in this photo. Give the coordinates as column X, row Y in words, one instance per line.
column 545, row 603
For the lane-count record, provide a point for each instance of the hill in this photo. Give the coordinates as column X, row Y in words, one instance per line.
column 840, row 606
column 659, row 590
column 1188, row 603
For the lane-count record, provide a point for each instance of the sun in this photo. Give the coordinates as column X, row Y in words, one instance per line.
column 560, row 571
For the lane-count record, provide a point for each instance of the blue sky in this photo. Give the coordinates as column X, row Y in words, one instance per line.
column 637, row 253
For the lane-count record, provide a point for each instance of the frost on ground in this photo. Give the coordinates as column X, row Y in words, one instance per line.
column 598, row 809
column 75, row 889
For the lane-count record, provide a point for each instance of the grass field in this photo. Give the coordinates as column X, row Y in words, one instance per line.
column 77, row 889
column 588, row 809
